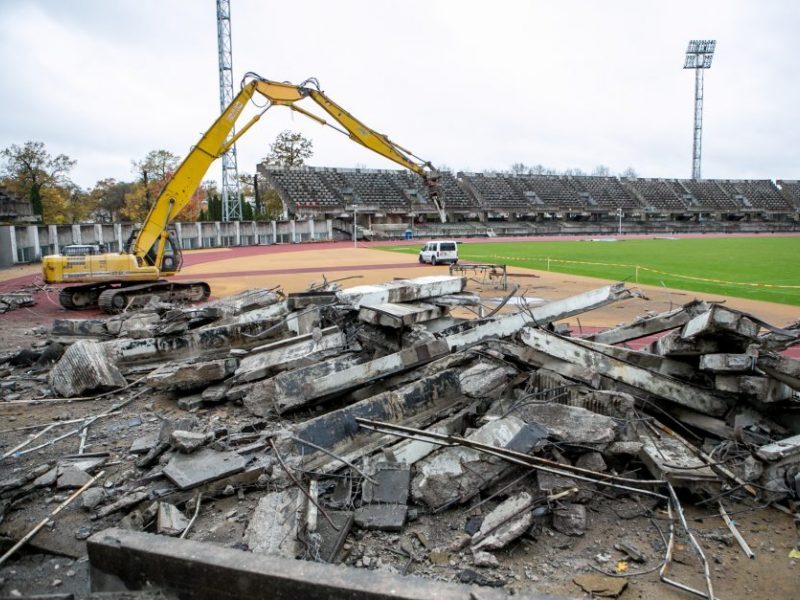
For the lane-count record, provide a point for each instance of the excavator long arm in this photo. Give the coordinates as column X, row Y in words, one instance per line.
column 215, row 142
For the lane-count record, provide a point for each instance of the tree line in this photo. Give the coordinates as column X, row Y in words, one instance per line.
column 32, row 173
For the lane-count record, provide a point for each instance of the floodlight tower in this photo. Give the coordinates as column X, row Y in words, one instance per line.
column 231, row 201
column 699, row 55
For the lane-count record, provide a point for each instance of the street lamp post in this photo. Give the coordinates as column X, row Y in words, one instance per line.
column 619, row 214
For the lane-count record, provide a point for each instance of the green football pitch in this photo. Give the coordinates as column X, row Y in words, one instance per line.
column 765, row 268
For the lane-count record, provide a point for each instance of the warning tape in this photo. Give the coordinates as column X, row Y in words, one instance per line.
column 641, row 268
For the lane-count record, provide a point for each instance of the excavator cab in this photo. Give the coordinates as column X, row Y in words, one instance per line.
column 172, row 261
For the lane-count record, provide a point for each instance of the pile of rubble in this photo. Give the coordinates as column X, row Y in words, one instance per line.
column 377, row 417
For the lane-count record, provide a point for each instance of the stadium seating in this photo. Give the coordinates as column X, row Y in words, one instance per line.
column 657, row 193
column 790, row 189
column 328, row 191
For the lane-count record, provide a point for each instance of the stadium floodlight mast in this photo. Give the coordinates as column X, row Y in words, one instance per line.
column 699, row 55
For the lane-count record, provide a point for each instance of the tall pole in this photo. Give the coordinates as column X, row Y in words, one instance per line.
column 699, row 55
column 698, row 122
column 231, row 200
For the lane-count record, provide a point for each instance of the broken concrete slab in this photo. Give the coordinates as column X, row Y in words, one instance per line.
column 85, row 367
column 569, row 424
column 274, row 526
column 782, row 368
column 190, row 470
column 70, row 478
column 764, row 390
column 143, row 444
column 383, row 517
column 456, row 473
column 667, row 458
column 507, row 522
column 781, row 449
column 331, row 540
column 602, row 586
column 357, row 375
column 283, row 393
column 650, row 324
column 270, row 358
column 672, row 344
column 720, row 321
column 397, row 315
column 659, row 385
column 727, row 363
column 392, row 484
column 402, row 290
column 338, row 431
column 191, row 375
column 207, row 571
column 170, row 520
column 646, row 360
column 486, row 379
column 570, row 519
column 79, row 327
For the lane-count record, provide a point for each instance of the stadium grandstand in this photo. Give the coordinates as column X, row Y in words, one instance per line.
column 388, row 199
column 13, row 208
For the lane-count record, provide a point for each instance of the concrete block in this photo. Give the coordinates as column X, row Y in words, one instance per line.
column 397, row 315
column 190, row 470
column 85, row 367
column 569, row 424
column 570, row 519
column 274, row 526
column 383, row 517
column 170, row 520
column 392, row 487
column 507, row 522
column 405, row 290
column 191, row 375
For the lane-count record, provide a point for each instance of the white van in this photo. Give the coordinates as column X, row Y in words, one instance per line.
column 439, row 252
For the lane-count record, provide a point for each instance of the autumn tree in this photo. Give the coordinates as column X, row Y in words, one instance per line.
column 32, row 173
column 153, row 172
column 290, row 149
column 108, row 196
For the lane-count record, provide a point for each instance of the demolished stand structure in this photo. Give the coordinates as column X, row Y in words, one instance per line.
column 377, row 428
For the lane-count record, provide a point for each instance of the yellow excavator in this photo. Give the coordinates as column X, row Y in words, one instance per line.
column 112, row 280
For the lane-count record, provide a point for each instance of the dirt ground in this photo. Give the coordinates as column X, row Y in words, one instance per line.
column 544, row 563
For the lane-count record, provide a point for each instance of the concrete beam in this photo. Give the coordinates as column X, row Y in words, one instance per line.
column 654, row 383
column 720, row 321
column 782, row 368
column 727, row 363
column 284, row 353
column 124, row 560
column 764, row 390
column 399, row 315
column 781, row 449
column 373, row 370
column 546, row 313
column 650, row 325
column 404, row 290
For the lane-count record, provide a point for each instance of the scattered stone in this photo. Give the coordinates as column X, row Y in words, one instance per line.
column 570, row 519
column 70, row 478
column 187, row 441
column 92, row 497
column 170, row 520
column 601, row 585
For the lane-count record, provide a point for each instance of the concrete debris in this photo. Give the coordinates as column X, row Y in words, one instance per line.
column 570, row 519
column 383, row 517
column 190, row 470
column 274, row 526
column 569, row 424
column 379, row 427
column 505, row 523
column 190, row 376
column 85, row 367
column 452, row 475
column 170, row 520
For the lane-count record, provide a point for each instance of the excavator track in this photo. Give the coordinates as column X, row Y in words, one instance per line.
column 117, row 299
column 114, row 298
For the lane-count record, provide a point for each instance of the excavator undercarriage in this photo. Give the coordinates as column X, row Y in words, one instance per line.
column 115, row 296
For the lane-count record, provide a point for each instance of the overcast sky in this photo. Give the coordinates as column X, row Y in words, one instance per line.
column 473, row 85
